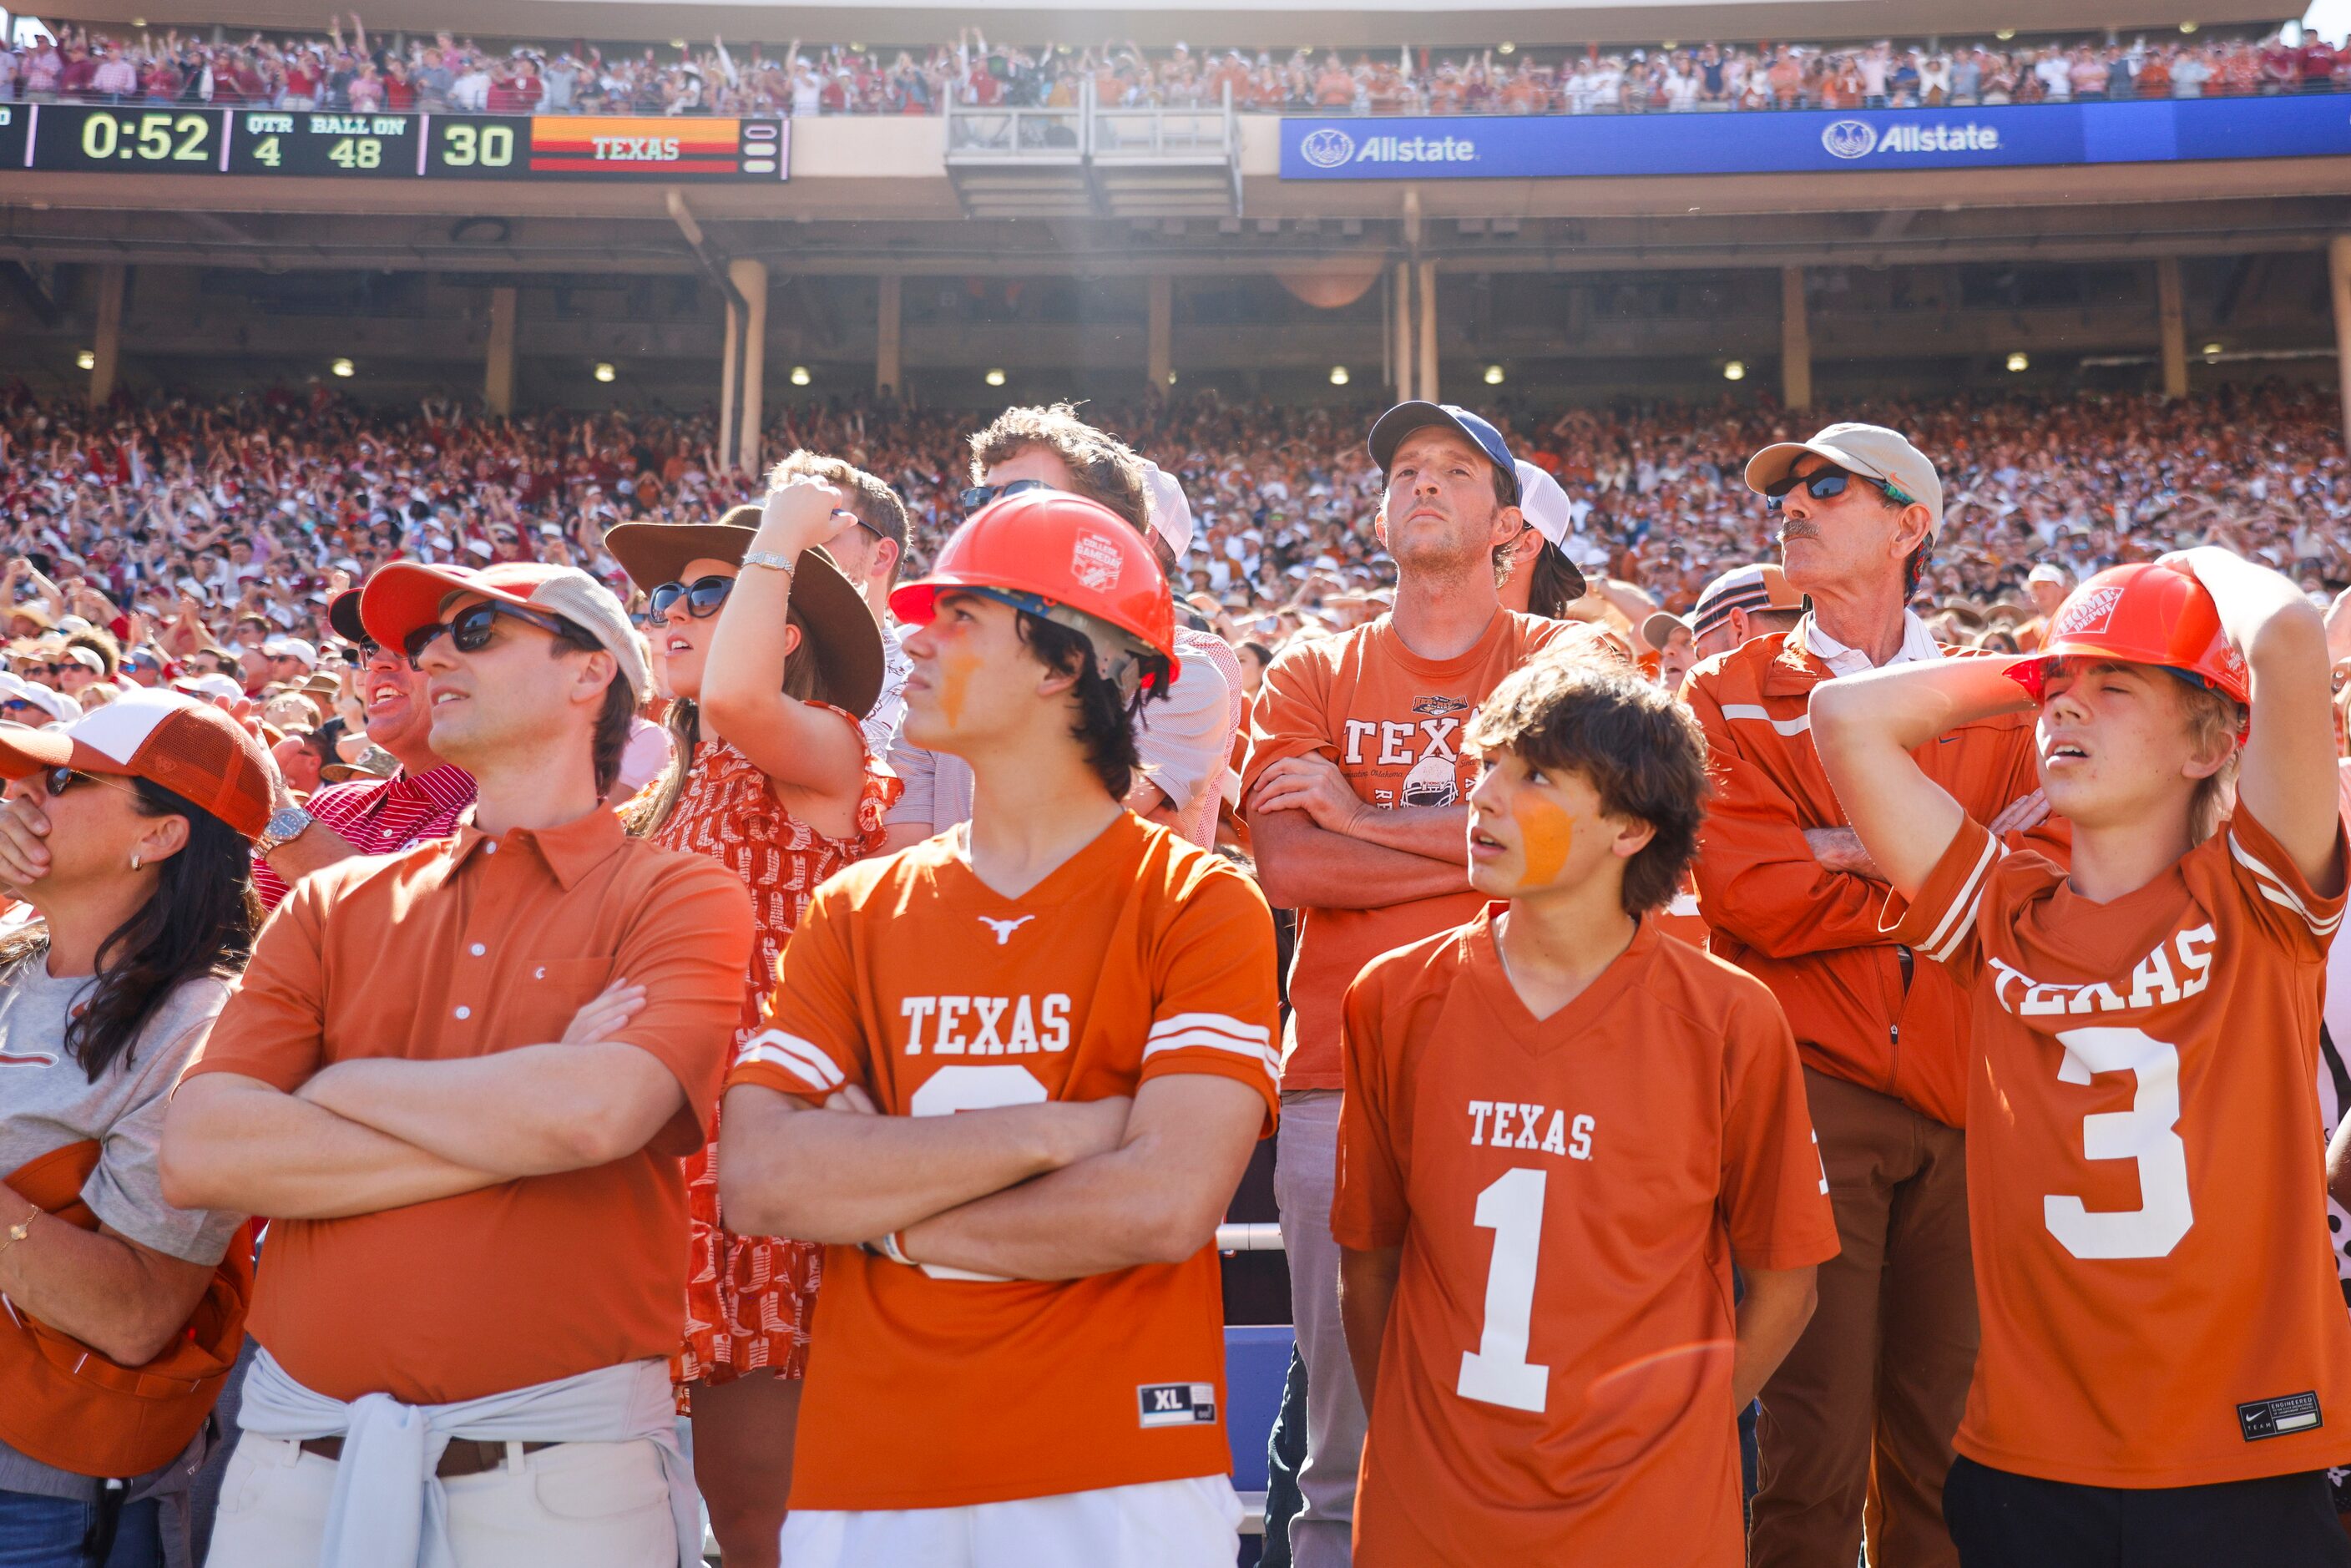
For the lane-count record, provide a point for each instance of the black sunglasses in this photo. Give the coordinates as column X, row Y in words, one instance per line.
column 1822, row 482
column 979, row 495
column 702, row 597
column 469, row 630
column 55, row 781
column 18, row 705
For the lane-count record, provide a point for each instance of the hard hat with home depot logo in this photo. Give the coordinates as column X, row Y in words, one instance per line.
column 1073, row 561
column 2142, row 614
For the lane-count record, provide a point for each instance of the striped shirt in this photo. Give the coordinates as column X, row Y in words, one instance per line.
column 381, row 816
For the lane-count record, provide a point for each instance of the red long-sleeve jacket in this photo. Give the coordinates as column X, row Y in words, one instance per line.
column 1862, row 1008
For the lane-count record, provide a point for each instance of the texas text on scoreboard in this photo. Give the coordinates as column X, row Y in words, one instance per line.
column 2160, row 131
column 172, row 139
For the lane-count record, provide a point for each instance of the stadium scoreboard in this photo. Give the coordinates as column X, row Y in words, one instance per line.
column 133, row 139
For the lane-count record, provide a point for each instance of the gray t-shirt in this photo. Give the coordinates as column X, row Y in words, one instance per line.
column 48, row 1102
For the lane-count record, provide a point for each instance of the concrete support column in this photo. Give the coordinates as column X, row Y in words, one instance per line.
column 1424, row 384
column 750, row 280
column 499, row 370
column 105, row 364
column 2338, row 278
column 1159, row 355
column 887, row 328
column 2173, row 308
column 1795, row 341
column 1400, row 350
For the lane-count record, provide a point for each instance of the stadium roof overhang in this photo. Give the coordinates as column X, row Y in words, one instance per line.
column 1347, row 24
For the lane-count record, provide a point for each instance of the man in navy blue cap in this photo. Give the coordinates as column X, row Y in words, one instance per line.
column 1354, row 794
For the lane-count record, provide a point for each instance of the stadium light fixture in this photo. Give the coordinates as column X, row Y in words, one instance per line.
column 2005, row 34
column 1671, row 44
column 87, row 358
column 1493, row 375
column 2187, row 26
column 2018, row 362
column 1171, row 378
column 1338, row 375
column 604, row 371
column 800, row 376
column 679, row 44
column 342, row 368
column 2211, row 351
column 1506, row 49
column 1735, row 370
column 994, row 378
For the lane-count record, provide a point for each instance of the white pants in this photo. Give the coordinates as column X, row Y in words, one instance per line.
column 579, row 1505
column 1159, row 1524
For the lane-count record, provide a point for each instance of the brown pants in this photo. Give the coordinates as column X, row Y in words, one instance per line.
column 1858, row 1419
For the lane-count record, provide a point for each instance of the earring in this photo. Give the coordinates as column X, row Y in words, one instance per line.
column 134, row 862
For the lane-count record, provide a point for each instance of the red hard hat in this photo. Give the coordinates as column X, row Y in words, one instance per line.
column 2142, row 614
column 1061, row 556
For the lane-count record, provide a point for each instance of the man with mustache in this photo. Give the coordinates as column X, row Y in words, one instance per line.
column 1858, row 1419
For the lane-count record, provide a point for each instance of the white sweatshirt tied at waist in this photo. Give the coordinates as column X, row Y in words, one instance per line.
column 389, row 1509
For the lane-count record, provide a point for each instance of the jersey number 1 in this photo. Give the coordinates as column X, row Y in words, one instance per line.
column 2147, row 1133
column 1498, row 1372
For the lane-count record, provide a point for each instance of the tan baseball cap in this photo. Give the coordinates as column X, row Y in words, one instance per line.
column 407, row 595
column 1870, row 450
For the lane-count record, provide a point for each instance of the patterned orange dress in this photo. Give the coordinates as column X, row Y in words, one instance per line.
column 749, row 1300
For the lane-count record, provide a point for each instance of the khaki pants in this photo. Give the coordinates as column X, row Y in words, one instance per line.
column 577, row 1505
column 1858, row 1419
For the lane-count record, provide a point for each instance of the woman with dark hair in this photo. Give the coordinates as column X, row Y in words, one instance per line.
column 130, row 834
column 1534, row 574
column 768, row 656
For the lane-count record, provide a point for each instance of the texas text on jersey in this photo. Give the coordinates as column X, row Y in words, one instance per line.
column 2147, row 1198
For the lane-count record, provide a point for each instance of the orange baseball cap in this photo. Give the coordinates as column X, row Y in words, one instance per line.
column 191, row 748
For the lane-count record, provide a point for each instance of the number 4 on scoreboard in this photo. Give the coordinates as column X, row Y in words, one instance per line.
column 265, row 152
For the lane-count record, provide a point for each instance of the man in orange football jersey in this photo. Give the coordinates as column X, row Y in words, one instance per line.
column 1623, row 1114
column 1024, row 1364
column 2165, row 1366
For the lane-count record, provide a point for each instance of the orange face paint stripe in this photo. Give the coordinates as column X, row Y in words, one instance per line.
column 1546, row 834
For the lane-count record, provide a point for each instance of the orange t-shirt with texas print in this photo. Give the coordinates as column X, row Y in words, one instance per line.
column 2145, row 1187
column 1140, row 957
column 1570, row 1194
column 1393, row 722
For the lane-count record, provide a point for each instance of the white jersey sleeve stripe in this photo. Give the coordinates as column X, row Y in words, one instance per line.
column 1259, row 1054
column 794, row 1055
column 1965, row 923
column 1219, row 1023
column 1941, row 944
column 2273, row 887
column 1796, row 725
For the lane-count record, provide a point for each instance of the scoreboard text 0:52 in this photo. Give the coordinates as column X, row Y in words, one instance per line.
column 324, row 145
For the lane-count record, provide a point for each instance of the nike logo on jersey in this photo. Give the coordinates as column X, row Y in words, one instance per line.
column 1005, row 928
column 2155, row 981
column 1509, row 1124
column 986, row 1026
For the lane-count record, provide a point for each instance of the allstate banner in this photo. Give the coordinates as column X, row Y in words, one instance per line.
column 1772, row 141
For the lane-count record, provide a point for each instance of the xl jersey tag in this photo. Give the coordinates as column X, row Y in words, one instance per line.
column 1178, row 1404
column 2277, row 1417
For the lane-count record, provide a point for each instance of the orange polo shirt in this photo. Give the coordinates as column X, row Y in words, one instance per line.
column 462, row 947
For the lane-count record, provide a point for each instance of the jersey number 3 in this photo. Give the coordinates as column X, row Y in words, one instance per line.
column 1498, row 1372
column 2147, row 1133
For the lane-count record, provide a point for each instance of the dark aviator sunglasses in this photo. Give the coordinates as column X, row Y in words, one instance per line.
column 702, row 598
column 1824, row 483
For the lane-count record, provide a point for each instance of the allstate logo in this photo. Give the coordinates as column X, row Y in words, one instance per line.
column 1327, row 149
column 1848, row 138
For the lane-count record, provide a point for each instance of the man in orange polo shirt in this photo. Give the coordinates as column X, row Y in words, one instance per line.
column 458, row 1080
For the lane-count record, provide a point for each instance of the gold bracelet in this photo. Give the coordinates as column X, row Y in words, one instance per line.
column 21, row 1230
column 768, row 559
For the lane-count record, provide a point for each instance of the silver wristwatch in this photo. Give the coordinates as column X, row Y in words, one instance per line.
column 286, row 824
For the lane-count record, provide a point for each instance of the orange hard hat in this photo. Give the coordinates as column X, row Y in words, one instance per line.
column 2142, row 614
column 1071, row 560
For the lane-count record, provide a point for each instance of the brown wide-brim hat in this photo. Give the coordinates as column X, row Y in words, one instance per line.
column 847, row 641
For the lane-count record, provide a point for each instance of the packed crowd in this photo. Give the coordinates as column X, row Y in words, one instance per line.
column 184, row 507
column 416, row 829
column 352, row 72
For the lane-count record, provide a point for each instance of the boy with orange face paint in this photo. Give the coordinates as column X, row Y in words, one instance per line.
column 1560, row 1129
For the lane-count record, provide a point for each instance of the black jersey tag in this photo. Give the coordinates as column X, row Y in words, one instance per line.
column 1178, row 1404
column 2287, row 1413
